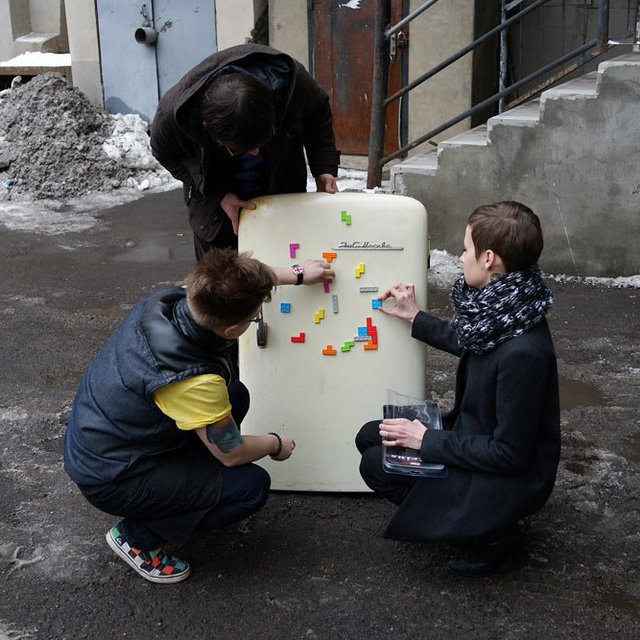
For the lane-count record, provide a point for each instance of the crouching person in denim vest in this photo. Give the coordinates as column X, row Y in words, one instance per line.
column 154, row 435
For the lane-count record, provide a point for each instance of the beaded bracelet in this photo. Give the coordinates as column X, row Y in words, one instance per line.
column 279, row 449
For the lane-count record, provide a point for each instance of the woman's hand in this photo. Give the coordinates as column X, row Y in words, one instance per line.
column 405, row 306
column 400, row 432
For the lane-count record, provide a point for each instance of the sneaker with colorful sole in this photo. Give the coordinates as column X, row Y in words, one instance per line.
column 155, row 566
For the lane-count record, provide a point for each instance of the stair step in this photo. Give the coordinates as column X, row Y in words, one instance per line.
column 524, row 115
column 425, row 164
column 585, row 86
column 36, row 38
column 476, row 137
column 37, row 42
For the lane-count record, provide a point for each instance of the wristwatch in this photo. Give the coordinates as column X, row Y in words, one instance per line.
column 299, row 272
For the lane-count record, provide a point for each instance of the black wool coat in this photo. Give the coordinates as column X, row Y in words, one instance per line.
column 501, row 441
column 303, row 124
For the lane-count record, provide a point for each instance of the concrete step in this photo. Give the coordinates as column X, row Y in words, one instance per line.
column 423, row 164
column 525, row 115
column 45, row 42
column 476, row 137
column 571, row 155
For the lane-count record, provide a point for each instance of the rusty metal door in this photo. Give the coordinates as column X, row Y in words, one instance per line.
column 341, row 34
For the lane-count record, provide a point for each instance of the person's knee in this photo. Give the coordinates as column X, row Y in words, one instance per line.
column 257, row 488
column 371, row 465
column 368, row 436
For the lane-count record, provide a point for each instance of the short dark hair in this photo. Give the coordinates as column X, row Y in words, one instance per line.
column 226, row 287
column 237, row 111
column 511, row 230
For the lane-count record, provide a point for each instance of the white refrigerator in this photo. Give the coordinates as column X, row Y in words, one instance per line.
column 324, row 357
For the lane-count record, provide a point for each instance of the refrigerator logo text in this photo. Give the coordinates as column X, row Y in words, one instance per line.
column 365, row 245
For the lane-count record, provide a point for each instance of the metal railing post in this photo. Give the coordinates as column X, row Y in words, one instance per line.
column 636, row 46
column 379, row 90
column 502, row 76
column 603, row 24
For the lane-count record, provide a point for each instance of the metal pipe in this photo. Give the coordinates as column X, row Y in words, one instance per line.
column 502, row 77
column 414, row 14
column 145, row 35
column 603, row 23
column 379, row 87
column 485, row 103
column 463, row 52
column 636, row 46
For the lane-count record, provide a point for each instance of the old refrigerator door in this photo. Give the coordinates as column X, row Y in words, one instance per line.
column 330, row 356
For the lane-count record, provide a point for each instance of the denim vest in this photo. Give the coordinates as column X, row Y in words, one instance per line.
column 115, row 428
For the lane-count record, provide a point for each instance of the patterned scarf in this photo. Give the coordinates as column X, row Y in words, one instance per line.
column 506, row 307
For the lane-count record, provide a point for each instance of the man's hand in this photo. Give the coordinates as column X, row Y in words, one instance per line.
column 231, row 205
column 326, row 183
column 405, row 306
column 400, row 432
column 317, row 270
column 288, row 445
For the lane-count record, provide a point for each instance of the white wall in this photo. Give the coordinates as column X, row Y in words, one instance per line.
column 7, row 50
column 289, row 29
column 435, row 35
column 235, row 19
column 83, row 46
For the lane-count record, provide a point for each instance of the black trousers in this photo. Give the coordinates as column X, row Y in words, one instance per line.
column 391, row 486
column 225, row 239
column 188, row 490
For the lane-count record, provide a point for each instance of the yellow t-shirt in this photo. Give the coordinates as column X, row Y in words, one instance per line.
column 194, row 402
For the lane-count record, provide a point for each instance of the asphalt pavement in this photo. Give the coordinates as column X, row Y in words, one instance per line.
column 308, row 566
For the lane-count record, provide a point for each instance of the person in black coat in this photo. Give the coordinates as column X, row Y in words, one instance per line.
column 239, row 125
column 501, row 441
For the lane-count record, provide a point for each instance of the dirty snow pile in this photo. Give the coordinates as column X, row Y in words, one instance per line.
column 55, row 144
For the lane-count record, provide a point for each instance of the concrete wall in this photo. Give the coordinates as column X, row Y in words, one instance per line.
column 235, row 20
column 577, row 168
column 46, row 15
column 7, row 49
column 289, row 28
column 435, row 35
column 436, row 100
column 84, row 48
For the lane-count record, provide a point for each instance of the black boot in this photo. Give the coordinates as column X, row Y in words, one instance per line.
column 499, row 550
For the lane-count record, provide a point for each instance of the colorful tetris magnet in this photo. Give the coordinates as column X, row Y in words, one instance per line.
column 375, row 303
column 326, row 283
column 299, row 338
column 293, row 247
column 368, row 289
column 345, row 217
column 334, row 302
column 329, row 256
column 372, row 332
column 285, row 307
column 318, row 315
column 347, row 346
column 329, row 351
column 359, row 269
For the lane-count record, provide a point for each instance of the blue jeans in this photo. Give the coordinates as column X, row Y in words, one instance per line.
column 188, row 490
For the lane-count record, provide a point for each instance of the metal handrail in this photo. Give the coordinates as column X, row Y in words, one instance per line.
column 379, row 102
